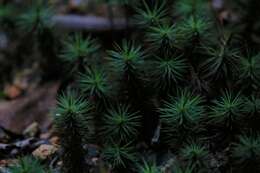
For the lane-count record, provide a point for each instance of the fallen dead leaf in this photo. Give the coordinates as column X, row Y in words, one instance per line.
column 12, row 91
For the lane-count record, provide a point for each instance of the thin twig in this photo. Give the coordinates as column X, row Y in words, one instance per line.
column 88, row 23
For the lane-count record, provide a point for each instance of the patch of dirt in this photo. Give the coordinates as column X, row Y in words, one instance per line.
column 35, row 106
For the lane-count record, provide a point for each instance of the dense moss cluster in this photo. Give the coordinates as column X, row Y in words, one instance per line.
column 180, row 81
column 182, row 72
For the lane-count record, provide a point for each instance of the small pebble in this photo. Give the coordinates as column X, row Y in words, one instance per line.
column 44, row 151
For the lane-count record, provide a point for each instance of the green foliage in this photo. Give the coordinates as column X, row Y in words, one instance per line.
column 150, row 16
column 27, row 165
column 121, row 124
column 227, row 109
column 246, row 153
column 185, row 110
column 163, row 37
column 71, row 106
column 148, row 168
column 95, row 83
column 73, row 123
column 252, row 112
column 37, row 18
column 195, row 155
column 186, row 8
column 221, row 62
column 127, row 59
column 194, row 29
column 166, row 72
column 77, row 48
column 5, row 13
column 119, row 156
column 249, row 71
column 73, row 112
column 252, row 105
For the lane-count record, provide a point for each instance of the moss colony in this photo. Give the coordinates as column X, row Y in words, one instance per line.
column 180, row 88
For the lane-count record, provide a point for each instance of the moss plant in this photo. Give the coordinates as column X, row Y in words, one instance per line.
column 94, row 83
column 252, row 106
column 163, row 37
column 5, row 11
column 180, row 114
column 252, row 111
column 78, row 50
column 151, row 16
column 184, row 110
column 246, row 153
column 249, row 71
column 227, row 110
column 195, row 30
column 195, row 155
column 120, row 157
column 167, row 72
column 6, row 15
column 127, row 59
column 188, row 8
column 148, row 168
column 37, row 18
column 28, row 165
column 72, row 121
column 222, row 61
column 121, row 124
